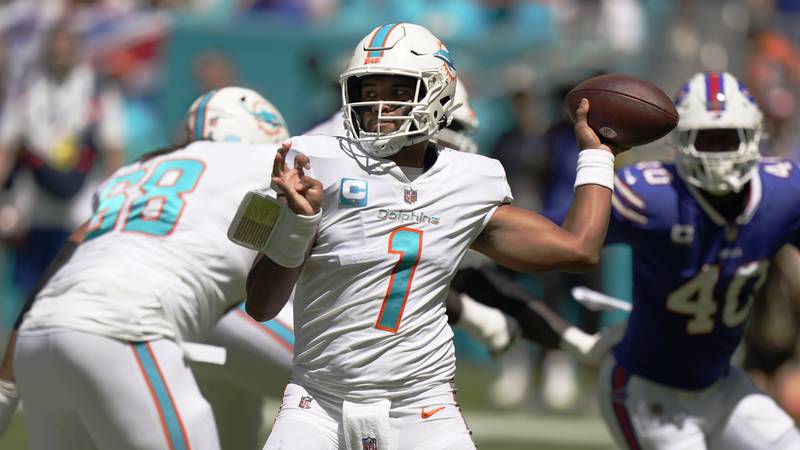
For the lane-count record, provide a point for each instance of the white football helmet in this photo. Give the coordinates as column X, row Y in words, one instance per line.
column 464, row 123
column 235, row 114
column 402, row 49
column 718, row 133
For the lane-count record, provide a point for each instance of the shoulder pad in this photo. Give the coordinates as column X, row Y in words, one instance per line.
column 640, row 187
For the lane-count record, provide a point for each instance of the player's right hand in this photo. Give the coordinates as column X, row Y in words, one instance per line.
column 586, row 136
column 303, row 193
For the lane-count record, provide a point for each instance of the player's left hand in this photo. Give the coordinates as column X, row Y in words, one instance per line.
column 303, row 193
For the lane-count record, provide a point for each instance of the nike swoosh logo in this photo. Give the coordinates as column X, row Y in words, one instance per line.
column 426, row 414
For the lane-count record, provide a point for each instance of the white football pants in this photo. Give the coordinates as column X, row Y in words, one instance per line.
column 83, row 391
column 259, row 355
column 731, row 414
column 312, row 420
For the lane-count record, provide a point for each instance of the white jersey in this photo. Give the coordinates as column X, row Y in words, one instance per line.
column 334, row 126
column 157, row 261
column 370, row 302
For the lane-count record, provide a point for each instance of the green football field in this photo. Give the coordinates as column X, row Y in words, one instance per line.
column 525, row 428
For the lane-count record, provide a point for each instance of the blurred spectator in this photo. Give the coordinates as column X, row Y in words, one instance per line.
column 521, row 151
column 50, row 139
column 774, row 80
column 213, row 70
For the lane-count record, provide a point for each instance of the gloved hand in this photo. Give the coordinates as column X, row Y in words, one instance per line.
column 591, row 349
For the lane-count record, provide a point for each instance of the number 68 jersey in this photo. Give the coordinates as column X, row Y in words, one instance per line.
column 369, row 304
column 157, row 261
column 694, row 274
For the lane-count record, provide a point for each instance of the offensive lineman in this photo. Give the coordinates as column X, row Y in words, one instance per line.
column 153, row 270
column 388, row 217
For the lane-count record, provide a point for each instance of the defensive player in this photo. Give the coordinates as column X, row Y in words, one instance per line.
column 387, row 217
column 153, row 270
column 703, row 232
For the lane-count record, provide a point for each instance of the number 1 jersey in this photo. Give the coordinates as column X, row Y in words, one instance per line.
column 369, row 304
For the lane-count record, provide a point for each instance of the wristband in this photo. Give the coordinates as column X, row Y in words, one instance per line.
column 595, row 167
column 263, row 223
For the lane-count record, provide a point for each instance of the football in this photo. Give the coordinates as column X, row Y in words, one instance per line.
column 624, row 110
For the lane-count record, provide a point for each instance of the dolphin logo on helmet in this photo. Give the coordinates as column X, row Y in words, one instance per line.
column 235, row 114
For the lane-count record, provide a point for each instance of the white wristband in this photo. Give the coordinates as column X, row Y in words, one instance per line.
column 595, row 167
column 291, row 237
column 263, row 223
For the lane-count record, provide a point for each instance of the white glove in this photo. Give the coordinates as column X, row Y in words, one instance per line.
column 591, row 349
column 9, row 398
column 489, row 326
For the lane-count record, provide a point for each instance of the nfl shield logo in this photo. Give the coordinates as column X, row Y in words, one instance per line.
column 369, row 443
column 410, row 195
column 305, row 402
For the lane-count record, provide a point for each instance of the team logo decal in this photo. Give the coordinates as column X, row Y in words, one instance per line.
column 444, row 55
column 352, row 193
column 305, row 402
column 369, row 443
column 410, row 195
column 268, row 122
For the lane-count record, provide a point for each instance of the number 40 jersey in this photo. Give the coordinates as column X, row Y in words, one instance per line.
column 694, row 275
column 369, row 304
column 157, row 261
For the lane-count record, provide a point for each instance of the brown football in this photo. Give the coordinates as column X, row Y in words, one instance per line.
column 624, row 110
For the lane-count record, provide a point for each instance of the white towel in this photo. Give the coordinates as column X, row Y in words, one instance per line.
column 204, row 353
column 366, row 425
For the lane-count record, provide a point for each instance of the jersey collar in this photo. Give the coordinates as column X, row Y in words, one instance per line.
column 753, row 201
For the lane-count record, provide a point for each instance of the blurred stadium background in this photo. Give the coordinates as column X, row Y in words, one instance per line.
column 518, row 58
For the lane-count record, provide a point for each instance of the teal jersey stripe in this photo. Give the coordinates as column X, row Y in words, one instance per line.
column 276, row 327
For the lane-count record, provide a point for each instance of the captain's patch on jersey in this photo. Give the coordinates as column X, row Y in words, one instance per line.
column 353, row 193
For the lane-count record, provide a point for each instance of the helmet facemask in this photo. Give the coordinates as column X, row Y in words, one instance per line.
column 419, row 119
column 719, row 161
column 718, row 133
column 399, row 50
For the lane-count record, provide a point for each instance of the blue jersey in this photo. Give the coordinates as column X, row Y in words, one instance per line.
column 694, row 274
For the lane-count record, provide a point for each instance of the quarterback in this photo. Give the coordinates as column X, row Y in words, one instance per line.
column 370, row 234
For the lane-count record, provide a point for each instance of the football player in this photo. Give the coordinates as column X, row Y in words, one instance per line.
column 372, row 227
column 100, row 355
column 483, row 300
column 703, row 232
